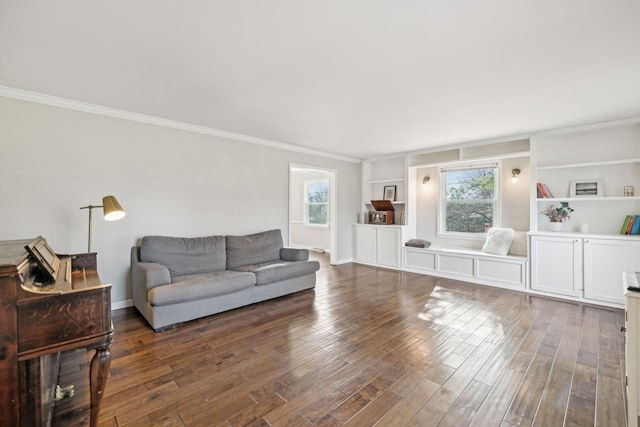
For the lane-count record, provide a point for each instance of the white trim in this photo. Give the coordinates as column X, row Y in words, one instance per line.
column 333, row 208
column 70, row 104
column 442, row 198
column 342, row 261
column 492, row 158
column 306, row 203
column 469, row 144
column 311, row 248
column 586, row 127
column 386, row 157
column 121, row 304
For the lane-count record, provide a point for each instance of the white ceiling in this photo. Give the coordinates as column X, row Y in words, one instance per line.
column 359, row 78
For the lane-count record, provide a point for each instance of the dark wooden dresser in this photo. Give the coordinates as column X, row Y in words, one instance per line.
column 44, row 313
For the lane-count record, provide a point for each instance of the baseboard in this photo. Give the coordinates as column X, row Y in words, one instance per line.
column 343, row 261
column 310, row 248
column 121, row 304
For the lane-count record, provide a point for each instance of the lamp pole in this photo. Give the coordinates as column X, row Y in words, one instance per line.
column 90, row 207
column 112, row 212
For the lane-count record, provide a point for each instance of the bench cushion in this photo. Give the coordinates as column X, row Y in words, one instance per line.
column 200, row 286
column 270, row 272
column 184, row 256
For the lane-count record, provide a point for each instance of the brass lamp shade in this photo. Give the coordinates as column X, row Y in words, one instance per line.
column 112, row 209
column 112, row 212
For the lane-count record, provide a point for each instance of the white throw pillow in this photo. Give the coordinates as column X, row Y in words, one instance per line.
column 519, row 244
column 498, row 241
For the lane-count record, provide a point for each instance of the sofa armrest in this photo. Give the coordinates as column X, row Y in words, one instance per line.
column 148, row 275
column 294, row 254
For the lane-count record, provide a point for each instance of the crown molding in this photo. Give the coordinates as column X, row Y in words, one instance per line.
column 70, row 104
column 588, row 127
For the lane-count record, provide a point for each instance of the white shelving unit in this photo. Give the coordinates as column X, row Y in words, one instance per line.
column 381, row 245
column 587, row 154
column 583, row 265
column 379, row 173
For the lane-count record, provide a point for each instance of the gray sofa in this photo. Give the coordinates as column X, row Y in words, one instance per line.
column 176, row 279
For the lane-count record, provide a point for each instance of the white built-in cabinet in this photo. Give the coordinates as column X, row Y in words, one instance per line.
column 582, row 262
column 380, row 245
column 586, row 259
column 584, row 267
column 556, row 265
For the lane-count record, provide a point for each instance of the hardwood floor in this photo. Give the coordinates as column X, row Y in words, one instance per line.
column 374, row 347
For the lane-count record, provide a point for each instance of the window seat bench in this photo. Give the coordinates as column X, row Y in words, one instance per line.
column 504, row 271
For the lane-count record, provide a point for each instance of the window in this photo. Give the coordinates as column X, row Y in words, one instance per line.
column 316, row 202
column 469, row 199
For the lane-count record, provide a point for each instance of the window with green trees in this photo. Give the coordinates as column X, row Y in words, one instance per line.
column 469, row 199
column 317, row 202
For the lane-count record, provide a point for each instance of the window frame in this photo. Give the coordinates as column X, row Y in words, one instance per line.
column 442, row 198
column 306, row 204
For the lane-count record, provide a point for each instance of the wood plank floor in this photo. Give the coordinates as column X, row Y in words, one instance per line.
column 374, row 347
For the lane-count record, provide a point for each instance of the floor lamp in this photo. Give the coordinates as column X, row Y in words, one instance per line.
column 112, row 212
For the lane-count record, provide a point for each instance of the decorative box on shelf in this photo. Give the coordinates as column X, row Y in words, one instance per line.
column 383, row 213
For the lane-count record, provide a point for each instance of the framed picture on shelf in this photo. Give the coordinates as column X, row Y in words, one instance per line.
column 389, row 193
column 586, row 188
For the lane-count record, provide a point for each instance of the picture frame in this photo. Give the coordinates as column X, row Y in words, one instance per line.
column 586, row 188
column 389, row 193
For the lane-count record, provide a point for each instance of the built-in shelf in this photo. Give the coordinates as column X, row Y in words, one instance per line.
column 584, row 235
column 384, row 181
column 589, row 164
column 588, row 199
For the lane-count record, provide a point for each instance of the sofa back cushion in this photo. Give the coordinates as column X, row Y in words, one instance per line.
column 254, row 248
column 184, row 256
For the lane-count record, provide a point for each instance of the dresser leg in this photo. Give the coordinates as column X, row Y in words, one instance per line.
column 100, row 364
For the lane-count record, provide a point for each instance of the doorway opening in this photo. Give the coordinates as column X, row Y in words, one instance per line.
column 312, row 209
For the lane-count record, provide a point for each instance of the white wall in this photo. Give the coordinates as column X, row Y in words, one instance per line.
column 301, row 235
column 170, row 182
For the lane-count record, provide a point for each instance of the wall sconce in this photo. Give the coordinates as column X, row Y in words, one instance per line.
column 425, row 180
column 112, row 212
column 515, row 175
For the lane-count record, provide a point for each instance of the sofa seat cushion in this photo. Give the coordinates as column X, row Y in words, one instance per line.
column 253, row 248
column 275, row 271
column 201, row 286
column 183, row 256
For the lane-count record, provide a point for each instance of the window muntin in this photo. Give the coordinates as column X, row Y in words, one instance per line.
column 469, row 201
column 316, row 203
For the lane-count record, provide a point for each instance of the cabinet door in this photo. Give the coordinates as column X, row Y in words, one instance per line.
column 388, row 242
column 365, row 242
column 604, row 262
column 556, row 265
